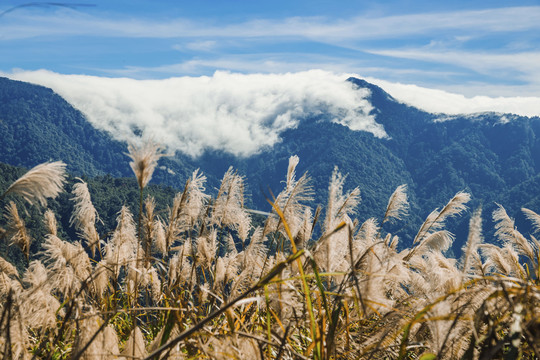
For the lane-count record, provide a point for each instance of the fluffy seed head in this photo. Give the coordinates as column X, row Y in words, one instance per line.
column 41, row 182
column 398, row 206
column 17, row 232
column 144, row 160
column 50, row 222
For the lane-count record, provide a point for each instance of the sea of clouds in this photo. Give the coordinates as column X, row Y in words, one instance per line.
column 237, row 113
column 243, row 114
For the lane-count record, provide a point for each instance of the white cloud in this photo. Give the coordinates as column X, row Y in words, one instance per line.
column 267, row 63
column 525, row 63
column 237, row 113
column 24, row 24
column 203, row 46
column 440, row 101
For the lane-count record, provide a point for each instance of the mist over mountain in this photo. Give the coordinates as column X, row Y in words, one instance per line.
column 493, row 156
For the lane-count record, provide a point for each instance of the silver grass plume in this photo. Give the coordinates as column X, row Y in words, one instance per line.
column 103, row 346
column 174, row 353
column 306, row 229
column 50, row 222
column 256, row 250
column 441, row 273
column 135, row 346
column 36, row 275
column 7, row 268
column 291, row 201
column 368, row 232
column 470, row 249
column 142, row 278
column 175, row 225
column 435, row 220
column 206, row 249
column 84, row 215
column 392, row 242
column 100, row 277
column 232, row 347
column 503, row 261
column 108, row 341
column 229, row 205
column 16, row 231
column 38, row 305
column 159, row 237
column 340, row 205
column 230, row 246
column 437, row 241
column 67, row 263
column 7, row 285
column 226, row 269
column 148, row 222
column 39, row 183
column 291, row 171
column 535, row 219
column 19, row 337
column 144, row 160
column 332, row 250
column 196, row 198
column 398, row 206
column 122, row 247
column 532, row 217
column 506, row 231
column 187, row 208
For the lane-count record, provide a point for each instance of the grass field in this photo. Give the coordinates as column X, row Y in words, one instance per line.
column 208, row 281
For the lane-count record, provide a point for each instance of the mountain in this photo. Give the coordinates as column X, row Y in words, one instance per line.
column 37, row 125
column 493, row 156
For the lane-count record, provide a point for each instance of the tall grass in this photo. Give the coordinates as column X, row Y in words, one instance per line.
column 207, row 281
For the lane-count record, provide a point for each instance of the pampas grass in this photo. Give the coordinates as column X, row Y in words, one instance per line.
column 16, row 231
column 144, row 159
column 41, row 182
column 84, row 215
column 207, row 282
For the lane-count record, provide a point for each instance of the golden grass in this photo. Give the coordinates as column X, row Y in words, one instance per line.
column 206, row 282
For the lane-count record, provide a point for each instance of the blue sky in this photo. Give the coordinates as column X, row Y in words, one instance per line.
column 469, row 47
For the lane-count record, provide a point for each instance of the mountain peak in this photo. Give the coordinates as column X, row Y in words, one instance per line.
column 378, row 95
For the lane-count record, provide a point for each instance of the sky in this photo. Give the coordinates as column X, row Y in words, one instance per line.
column 452, row 57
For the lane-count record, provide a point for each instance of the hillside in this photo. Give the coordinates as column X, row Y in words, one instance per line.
column 495, row 157
column 37, row 125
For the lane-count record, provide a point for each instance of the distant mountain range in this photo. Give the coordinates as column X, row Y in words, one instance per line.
column 495, row 157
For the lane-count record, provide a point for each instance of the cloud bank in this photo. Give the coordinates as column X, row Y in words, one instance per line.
column 237, row 113
column 440, row 101
column 243, row 114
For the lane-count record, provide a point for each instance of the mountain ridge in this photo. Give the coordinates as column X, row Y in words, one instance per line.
column 490, row 158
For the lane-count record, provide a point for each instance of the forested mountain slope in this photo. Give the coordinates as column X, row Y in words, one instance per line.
column 495, row 157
